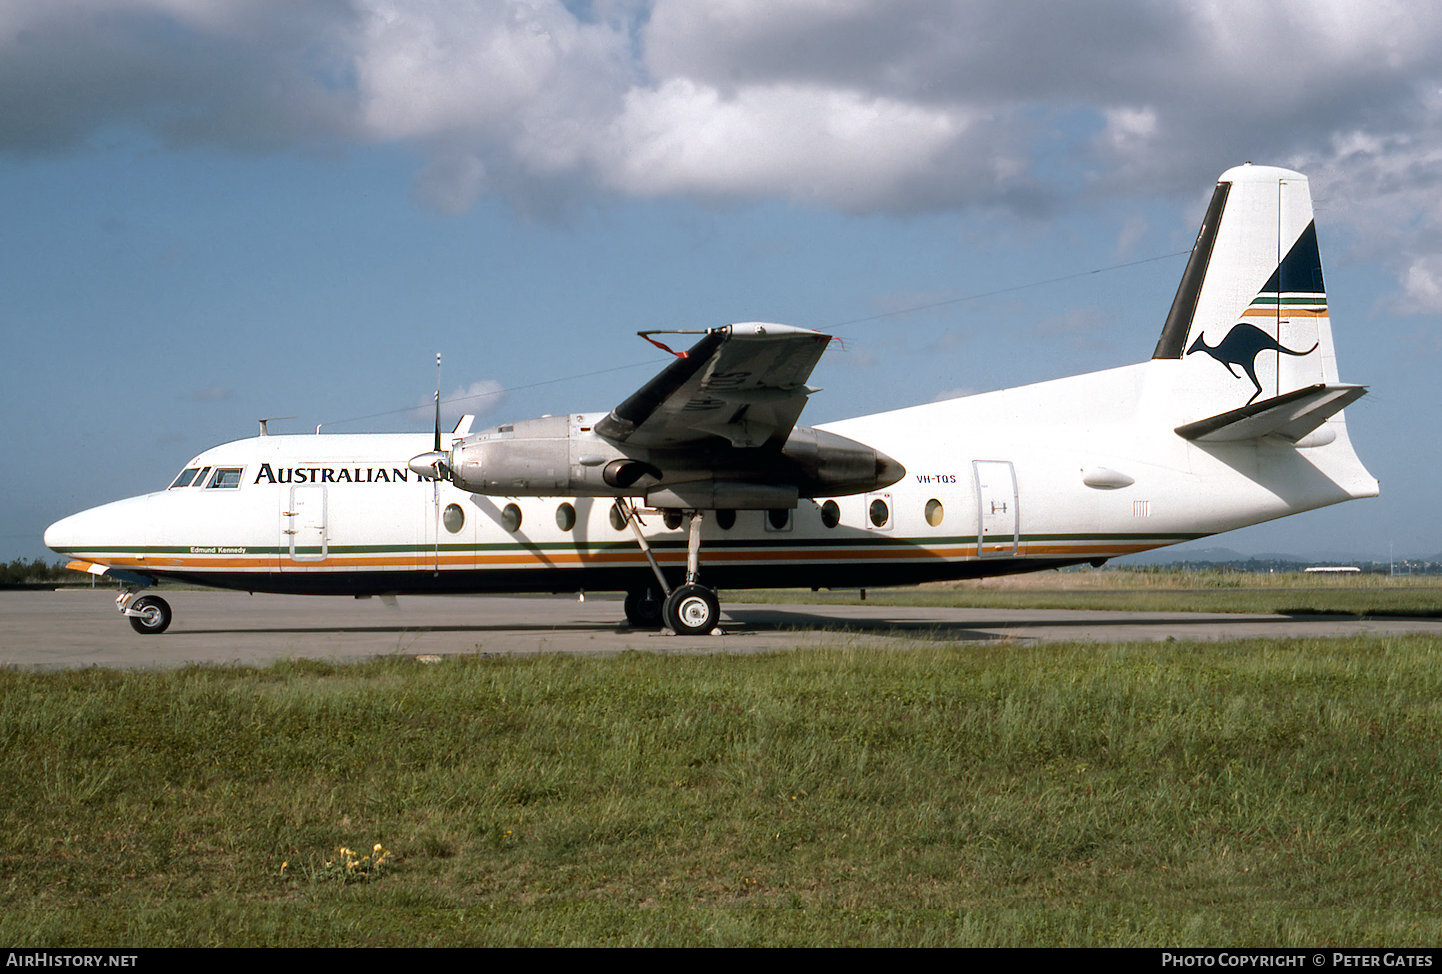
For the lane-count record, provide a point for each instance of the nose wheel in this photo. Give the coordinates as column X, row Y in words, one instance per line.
column 149, row 615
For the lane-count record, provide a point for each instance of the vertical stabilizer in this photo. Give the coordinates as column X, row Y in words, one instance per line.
column 1249, row 320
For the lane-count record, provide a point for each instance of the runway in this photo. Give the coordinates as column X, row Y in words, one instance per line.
column 74, row 628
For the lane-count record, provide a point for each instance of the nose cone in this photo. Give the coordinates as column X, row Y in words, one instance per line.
column 121, row 525
column 61, row 536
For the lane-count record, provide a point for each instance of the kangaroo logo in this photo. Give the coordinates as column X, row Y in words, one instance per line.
column 1241, row 347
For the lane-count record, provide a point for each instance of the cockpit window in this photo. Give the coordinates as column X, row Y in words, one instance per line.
column 186, row 476
column 225, row 477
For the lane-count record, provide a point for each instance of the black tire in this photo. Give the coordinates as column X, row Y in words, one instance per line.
column 154, row 617
column 692, row 610
column 643, row 608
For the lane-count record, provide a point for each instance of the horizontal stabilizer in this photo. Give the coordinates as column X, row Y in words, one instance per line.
column 1290, row 416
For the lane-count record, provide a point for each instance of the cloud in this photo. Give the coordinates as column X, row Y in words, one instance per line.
column 478, row 399
column 895, row 106
column 241, row 74
column 1422, row 286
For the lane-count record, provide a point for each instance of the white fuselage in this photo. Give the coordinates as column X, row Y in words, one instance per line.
column 1078, row 469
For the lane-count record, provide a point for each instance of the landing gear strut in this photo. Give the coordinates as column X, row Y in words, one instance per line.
column 689, row 610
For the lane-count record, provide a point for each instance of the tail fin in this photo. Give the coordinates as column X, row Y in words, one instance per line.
column 1249, row 320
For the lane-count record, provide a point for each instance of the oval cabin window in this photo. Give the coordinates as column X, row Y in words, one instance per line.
column 879, row 512
column 453, row 518
column 511, row 518
column 934, row 512
column 565, row 517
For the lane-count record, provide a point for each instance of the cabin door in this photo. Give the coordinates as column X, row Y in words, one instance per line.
column 997, row 510
column 303, row 524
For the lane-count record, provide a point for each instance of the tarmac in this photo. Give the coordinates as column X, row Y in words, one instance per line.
column 74, row 628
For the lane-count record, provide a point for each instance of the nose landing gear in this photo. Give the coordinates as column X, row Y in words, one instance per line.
column 149, row 615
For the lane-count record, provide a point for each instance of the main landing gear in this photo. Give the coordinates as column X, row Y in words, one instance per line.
column 691, row 609
column 149, row 615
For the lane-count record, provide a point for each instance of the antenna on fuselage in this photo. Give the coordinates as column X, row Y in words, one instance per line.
column 270, row 419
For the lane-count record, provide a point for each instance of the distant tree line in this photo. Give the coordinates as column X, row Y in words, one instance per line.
column 21, row 570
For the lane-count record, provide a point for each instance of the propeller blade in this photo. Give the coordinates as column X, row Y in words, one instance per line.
column 435, row 465
column 437, row 447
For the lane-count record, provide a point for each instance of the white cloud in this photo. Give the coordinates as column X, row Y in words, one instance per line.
column 860, row 105
column 836, row 147
column 1422, row 286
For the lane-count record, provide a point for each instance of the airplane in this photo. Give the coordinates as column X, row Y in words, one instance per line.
column 1234, row 420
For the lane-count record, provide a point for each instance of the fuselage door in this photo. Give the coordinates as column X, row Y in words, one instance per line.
column 303, row 523
column 997, row 508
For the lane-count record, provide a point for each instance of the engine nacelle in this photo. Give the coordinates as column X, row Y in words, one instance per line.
column 562, row 455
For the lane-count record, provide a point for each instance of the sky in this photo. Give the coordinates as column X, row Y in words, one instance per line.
column 214, row 211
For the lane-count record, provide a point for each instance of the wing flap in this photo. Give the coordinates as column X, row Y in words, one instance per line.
column 744, row 383
column 1290, row 416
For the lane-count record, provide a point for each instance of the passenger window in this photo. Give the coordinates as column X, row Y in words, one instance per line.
column 934, row 512
column 186, row 476
column 453, row 518
column 225, row 477
column 830, row 514
column 511, row 518
column 879, row 513
column 565, row 517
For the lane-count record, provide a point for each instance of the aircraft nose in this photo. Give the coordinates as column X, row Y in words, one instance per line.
column 121, row 524
column 63, row 536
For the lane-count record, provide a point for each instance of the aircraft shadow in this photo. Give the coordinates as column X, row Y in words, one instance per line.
column 776, row 620
column 741, row 622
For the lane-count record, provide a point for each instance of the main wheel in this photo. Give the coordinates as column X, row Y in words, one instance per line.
column 154, row 615
column 643, row 608
column 692, row 610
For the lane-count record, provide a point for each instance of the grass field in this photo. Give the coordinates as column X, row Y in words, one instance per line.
column 1267, row 792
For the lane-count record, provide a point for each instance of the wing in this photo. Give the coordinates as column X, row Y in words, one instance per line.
column 744, row 383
